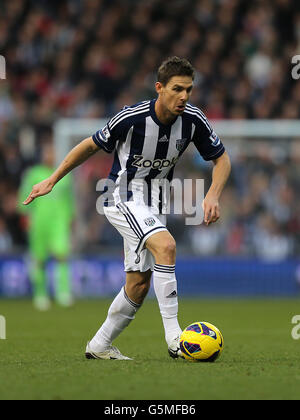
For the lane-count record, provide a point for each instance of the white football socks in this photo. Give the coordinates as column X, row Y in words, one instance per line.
column 165, row 287
column 121, row 312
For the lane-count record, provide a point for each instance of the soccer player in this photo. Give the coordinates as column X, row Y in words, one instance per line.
column 147, row 140
column 49, row 232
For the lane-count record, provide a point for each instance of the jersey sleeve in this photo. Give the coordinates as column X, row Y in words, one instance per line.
column 108, row 136
column 206, row 140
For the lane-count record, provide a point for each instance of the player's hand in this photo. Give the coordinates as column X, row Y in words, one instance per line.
column 211, row 209
column 43, row 188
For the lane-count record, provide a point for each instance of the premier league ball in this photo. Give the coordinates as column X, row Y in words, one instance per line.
column 201, row 342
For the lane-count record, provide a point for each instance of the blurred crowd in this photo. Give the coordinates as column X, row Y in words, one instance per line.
column 260, row 207
column 89, row 58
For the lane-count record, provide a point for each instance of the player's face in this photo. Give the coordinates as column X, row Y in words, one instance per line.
column 175, row 94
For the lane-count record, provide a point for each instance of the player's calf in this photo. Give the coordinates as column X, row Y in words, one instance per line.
column 138, row 285
column 163, row 247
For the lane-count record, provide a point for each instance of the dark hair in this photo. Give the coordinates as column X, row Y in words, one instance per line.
column 174, row 66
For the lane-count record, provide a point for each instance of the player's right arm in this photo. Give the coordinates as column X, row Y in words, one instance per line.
column 74, row 158
column 28, row 179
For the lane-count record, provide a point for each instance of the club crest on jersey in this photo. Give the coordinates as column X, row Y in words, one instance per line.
column 180, row 144
column 149, row 221
column 215, row 139
column 104, row 134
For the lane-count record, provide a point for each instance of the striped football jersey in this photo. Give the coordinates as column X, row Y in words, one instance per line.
column 146, row 151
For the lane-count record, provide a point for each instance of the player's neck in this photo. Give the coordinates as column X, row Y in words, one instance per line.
column 163, row 114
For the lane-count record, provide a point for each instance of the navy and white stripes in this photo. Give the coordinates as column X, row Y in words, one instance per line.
column 129, row 112
column 133, row 223
column 196, row 111
column 168, row 269
column 146, row 150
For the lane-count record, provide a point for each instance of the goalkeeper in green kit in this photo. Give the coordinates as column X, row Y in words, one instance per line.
column 49, row 232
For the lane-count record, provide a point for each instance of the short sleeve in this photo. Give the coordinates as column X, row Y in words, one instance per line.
column 206, row 140
column 115, row 130
column 105, row 139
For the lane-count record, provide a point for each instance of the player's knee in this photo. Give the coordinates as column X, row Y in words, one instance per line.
column 169, row 248
column 166, row 251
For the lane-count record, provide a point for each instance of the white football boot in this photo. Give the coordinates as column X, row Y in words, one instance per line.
column 174, row 348
column 111, row 353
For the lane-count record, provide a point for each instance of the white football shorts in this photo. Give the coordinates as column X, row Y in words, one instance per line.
column 136, row 223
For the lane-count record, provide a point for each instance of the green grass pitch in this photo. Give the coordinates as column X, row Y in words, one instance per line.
column 43, row 354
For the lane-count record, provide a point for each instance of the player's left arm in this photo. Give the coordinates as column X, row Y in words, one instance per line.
column 221, row 172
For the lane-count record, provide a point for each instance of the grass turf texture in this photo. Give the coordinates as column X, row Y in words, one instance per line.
column 43, row 355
